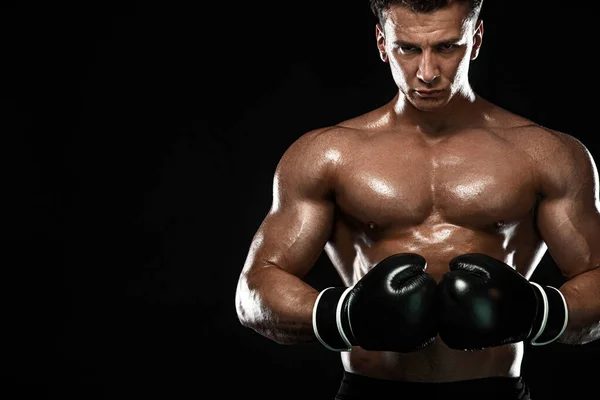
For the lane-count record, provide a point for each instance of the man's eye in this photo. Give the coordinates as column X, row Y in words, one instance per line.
column 446, row 47
column 408, row 49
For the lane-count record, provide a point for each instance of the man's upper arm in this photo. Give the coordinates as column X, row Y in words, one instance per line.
column 568, row 216
column 300, row 220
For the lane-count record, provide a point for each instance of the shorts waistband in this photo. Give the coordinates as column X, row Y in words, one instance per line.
column 492, row 387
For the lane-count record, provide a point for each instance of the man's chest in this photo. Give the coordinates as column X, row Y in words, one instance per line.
column 463, row 183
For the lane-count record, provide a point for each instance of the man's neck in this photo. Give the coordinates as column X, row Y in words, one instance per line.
column 457, row 113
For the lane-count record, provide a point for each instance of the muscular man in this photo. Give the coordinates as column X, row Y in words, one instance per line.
column 435, row 209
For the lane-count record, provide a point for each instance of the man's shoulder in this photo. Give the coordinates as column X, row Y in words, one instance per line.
column 528, row 134
column 559, row 154
column 543, row 144
column 338, row 136
column 318, row 146
column 323, row 137
column 546, row 140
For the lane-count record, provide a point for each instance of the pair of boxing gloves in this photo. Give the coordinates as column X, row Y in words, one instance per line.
column 480, row 302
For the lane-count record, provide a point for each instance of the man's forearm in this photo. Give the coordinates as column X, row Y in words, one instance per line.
column 277, row 305
column 582, row 294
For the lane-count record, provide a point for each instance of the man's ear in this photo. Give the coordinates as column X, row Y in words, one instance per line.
column 477, row 39
column 381, row 43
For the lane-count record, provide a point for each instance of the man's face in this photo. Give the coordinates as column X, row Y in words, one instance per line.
column 429, row 54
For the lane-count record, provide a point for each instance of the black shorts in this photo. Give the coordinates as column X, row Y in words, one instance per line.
column 357, row 387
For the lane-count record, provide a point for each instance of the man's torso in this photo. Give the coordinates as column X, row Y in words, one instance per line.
column 468, row 190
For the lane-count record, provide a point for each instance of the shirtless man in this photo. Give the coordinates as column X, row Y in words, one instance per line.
column 435, row 209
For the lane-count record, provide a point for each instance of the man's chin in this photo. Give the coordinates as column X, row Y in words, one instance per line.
column 428, row 104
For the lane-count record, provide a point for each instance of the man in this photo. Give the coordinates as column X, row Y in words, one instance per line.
column 435, row 210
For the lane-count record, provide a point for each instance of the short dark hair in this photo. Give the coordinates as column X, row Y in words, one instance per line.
column 378, row 7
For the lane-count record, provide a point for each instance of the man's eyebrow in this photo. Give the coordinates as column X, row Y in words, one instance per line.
column 441, row 42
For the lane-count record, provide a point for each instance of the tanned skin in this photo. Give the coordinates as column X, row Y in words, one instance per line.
column 435, row 174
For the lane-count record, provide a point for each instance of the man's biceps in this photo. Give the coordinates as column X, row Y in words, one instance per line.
column 307, row 241
column 554, row 214
column 287, row 240
column 571, row 234
column 567, row 216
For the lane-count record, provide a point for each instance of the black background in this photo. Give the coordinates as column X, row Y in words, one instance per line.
column 139, row 142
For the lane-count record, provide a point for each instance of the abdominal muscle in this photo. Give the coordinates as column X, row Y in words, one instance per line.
column 436, row 363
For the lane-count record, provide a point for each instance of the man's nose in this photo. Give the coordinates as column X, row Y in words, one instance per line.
column 428, row 68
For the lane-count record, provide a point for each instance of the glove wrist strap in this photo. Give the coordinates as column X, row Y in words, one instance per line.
column 552, row 317
column 330, row 321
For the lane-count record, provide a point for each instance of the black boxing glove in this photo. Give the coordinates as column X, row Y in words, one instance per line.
column 482, row 302
column 389, row 309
